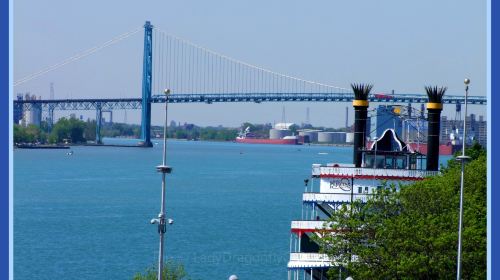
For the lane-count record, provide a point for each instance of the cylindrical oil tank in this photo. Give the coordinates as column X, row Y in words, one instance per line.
column 312, row 135
column 332, row 137
column 279, row 133
column 349, row 137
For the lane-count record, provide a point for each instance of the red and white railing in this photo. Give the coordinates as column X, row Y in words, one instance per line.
column 309, row 260
column 366, row 173
column 333, row 197
column 308, row 226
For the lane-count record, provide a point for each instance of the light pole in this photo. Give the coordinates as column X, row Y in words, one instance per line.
column 463, row 158
column 164, row 169
column 374, row 160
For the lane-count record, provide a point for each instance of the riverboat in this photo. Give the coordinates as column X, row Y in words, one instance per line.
column 385, row 161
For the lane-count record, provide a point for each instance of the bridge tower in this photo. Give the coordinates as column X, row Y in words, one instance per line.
column 147, row 76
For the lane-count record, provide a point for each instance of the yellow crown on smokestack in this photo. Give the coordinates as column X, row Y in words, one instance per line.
column 361, row 92
column 435, row 96
column 434, row 108
column 360, row 104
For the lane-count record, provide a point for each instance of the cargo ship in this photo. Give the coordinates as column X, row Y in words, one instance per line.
column 444, row 149
column 387, row 159
column 250, row 138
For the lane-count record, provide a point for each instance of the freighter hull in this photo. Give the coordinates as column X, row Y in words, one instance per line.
column 444, row 149
column 267, row 141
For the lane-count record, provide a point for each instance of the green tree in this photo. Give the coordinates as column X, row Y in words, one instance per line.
column 29, row 134
column 412, row 234
column 247, row 124
column 171, row 271
column 294, row 128
column 70, row 129
column 19, row 134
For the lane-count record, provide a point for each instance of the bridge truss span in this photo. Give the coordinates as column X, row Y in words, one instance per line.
column 136, row 103
column 82, row 104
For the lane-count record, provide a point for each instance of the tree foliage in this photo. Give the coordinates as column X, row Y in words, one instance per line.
column 71, row 130
column 116, row 129
column 413, row 233
column 171, row 271
column 193, row 132
column 29, row 134
column 76, row 131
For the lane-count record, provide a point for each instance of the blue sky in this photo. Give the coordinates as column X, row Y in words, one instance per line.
column 400, row 45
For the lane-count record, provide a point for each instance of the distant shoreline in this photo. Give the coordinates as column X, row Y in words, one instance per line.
column 92, row 144
column 233, row 141
column 25, row 146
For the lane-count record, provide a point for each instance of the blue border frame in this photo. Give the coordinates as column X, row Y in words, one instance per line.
column 4, row 140
column 6, row 238
column 494, row 208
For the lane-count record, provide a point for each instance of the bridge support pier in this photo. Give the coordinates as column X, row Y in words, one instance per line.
column 147, row 75
column 50, row 122
column 98, row 121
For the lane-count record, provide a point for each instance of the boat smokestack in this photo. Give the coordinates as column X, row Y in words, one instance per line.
column 434, row 108
column 360, row 104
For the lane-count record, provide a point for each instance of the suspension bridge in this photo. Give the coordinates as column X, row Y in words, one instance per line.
column 198, row 75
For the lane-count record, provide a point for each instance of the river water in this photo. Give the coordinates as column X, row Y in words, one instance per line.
column 87, row 215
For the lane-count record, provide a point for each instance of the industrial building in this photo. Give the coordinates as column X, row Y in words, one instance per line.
column 33, row 116
column 18, row 110
column 476, row 129
column 414, row 130
column 388, row 118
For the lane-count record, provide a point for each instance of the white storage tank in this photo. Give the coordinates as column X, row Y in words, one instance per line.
column 279, row 133
column 310, row 135
column 332, row 137
column 349, row 137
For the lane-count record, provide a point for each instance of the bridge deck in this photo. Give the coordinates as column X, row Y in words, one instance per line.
column 136, row 103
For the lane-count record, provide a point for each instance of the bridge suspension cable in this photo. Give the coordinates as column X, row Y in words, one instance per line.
column 185, row 67
column 78, row 56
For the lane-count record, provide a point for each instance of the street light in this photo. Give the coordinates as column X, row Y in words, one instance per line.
column 164, row 169
column 375, row 144
column 463, row 158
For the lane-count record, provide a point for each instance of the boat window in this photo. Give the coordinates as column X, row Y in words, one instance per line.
column 369, row 161
column 389, row 162
column 413, row 163
column 380, row 161
column 401, row 163
column 366, row 189
column 360, row 189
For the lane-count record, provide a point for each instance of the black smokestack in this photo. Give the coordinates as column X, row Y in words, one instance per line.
column 434, row 108
column 360, row 104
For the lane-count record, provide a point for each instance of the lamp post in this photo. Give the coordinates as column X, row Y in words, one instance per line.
column 374, row 159
column 463, row 158
column 164, row 169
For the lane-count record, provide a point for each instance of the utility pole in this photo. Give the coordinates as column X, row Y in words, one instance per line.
column 463, row 158
column 164, row 169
